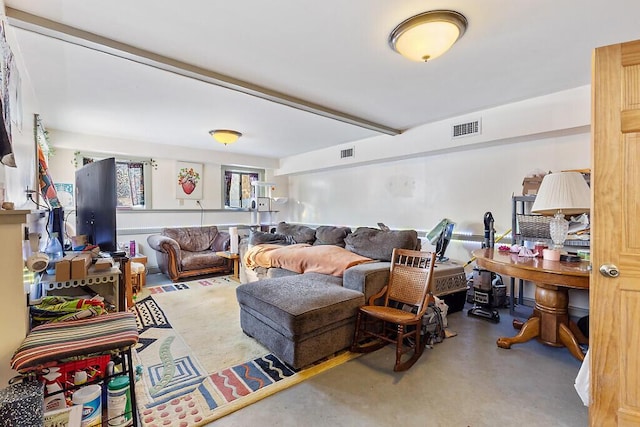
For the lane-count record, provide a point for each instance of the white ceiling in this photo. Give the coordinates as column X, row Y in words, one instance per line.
column 332, row 52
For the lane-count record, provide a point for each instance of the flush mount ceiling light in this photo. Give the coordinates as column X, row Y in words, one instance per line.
column 428, row 35
column 225, row 136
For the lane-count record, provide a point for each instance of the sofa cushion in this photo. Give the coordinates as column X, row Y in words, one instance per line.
column 330, row 235
column 259, row 237
column 378, row 244
column 301, row 304
column 300, row 233
column 198, row 260
column 192, row 239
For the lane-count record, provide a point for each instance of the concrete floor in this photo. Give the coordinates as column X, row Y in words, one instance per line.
column 464, row 381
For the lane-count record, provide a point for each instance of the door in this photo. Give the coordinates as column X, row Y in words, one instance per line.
column 615, row 180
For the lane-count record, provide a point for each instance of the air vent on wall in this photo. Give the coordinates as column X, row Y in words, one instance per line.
column 347, row 152
column 466, row 129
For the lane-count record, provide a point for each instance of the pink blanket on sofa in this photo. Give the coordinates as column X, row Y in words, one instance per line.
column 303, row 258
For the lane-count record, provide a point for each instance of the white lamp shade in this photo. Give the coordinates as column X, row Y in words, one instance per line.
column 567, row 192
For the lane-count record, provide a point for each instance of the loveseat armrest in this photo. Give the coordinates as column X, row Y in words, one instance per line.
column 168, row 254
column 221, row 242
column 368, row 278
column 162, row 243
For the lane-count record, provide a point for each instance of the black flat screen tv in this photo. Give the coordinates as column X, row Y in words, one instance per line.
column 96, row 203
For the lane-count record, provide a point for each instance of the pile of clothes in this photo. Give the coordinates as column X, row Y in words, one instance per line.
column 63, row 308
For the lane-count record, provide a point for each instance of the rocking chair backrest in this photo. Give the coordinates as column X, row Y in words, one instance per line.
column 410, row 278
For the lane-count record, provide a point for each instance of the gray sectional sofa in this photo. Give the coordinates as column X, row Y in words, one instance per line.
column 303, row 317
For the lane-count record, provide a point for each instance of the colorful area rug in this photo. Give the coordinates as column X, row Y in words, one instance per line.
column 197, row 365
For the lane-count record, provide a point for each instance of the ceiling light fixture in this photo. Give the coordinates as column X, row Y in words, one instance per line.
column 225, row 136
column 427, row 35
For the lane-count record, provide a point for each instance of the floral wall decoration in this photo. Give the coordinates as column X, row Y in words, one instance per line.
column 189, row 180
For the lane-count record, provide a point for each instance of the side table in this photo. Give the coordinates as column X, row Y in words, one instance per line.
column 109, row 278
column 235, row 258
column 142, row 277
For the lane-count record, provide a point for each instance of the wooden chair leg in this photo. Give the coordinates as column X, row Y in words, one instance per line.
column 356, row 347
column 399, row 338
column 356, row 334
column 418, row 349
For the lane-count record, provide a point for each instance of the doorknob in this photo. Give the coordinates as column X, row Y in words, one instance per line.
column 609, row 270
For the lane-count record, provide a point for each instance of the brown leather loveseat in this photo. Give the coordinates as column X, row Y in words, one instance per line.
column 190, row 251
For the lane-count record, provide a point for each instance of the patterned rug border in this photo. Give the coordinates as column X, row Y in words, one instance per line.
column 185, row 286
column 274, row 388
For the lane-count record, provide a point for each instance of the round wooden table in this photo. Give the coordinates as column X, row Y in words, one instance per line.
column 549, row 322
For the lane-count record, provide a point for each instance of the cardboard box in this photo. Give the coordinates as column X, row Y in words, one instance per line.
column 80, row 263
column 102, row 264
column 63, row 270
column 531, row 185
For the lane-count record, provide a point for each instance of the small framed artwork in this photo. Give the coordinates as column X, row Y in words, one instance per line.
column 65, row 195
column 189, row 180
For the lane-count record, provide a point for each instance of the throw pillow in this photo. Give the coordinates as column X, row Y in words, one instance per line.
column 300, row 233
column 330, row 235
column 378, row 244
column 258, row 237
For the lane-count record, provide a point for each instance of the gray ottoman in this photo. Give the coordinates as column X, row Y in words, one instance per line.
column 301, row 318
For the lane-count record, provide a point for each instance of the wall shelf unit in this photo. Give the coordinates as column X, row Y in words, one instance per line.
column 521, row 205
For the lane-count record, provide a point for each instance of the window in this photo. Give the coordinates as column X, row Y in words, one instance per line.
column 237, row 191
column 130, row 184
column 133, row 179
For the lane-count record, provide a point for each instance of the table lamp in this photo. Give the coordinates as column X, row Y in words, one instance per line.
column 560, row 194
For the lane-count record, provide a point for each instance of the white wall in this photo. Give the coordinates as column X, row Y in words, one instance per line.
column 434, row 177
column 23, row 176
column 561, row 113
column 417, row 178
column 419, row 192
column 14, row 315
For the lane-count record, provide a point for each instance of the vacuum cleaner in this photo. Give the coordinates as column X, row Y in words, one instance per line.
column 484, row 281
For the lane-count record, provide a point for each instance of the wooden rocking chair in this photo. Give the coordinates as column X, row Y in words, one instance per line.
column 399, row 319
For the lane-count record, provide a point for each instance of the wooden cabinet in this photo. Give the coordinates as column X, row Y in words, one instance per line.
column 14, row 316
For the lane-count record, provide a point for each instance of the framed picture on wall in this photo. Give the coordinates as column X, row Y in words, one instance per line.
column 65, row 195
column 189, row 180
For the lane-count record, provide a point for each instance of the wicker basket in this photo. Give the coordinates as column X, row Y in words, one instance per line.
column 534, row 226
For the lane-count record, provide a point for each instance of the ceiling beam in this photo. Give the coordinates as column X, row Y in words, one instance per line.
column 56, row 30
